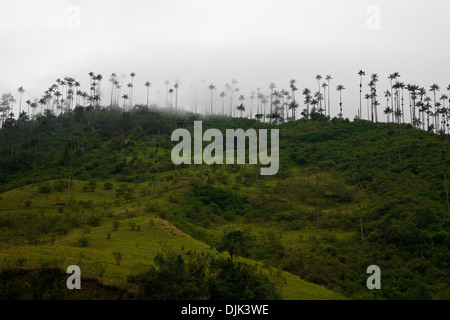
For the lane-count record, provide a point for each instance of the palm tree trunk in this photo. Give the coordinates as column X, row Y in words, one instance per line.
column 360, row 98
column 444, row 166
column 176, row 101
column 68, row 184
column 359, row 195
column 317, row 206
column 271, row 103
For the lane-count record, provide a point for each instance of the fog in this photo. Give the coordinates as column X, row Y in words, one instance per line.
column 255, row 42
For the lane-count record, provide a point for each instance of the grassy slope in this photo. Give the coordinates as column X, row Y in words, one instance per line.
column 137, row 247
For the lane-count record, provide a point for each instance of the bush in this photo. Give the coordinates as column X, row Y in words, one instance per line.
column 82, row 242
column 21, row 261
column 60, row 186
column 201, row 276
column 27, row 203
column 44, row 188
column 92, row 185
column 108, row 186
column 94, row 221
column 117, row 256
column 116, row 225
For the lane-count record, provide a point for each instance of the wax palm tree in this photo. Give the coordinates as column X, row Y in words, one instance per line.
column 318, row 78
column 329, row 78
column 324, row 86
column 402, row 87
column 340, row 88
column 176, row 86
column 285, row 97
column 314, row 104
column 434, row 88
column 293, row 107
column 388, row 110
column 57, row 95
column 91, row 79
column 367, row 97
column 396, row 86
column 99, row 79
column 211, row 89
column 79, row 94
column 167, row 91
column 85, row 97
column 361, row 74
column 147, row 85
column 307, row 93
column 293, row 90
column 223, row 95
column 125, row 98
column 264, row 102
column 414, row 92
column 271, row 87
column 422, row 93
column 241, row 100
column 448, row 89
column 319, row 97
column 373, row 96
column 21, row 91
column 393, row 77
column 252, row 97
column 171, row 100
column 33, row 106
column 132, row 75
column 241, row 108
column 112, row 79
column 444, row 110
column 28, row 102
column 130, row 90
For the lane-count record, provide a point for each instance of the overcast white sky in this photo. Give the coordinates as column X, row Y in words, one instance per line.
column 253, row 41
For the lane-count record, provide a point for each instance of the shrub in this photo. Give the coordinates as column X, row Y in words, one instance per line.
column 117, row 256
column 86, row 230
column 92, row 185
column 94, row 221
column 60, row 186
column 116, row 225
column 21, row 261
column 108, row 186
column 44, row 188
column 82, row 242
column 27, row 203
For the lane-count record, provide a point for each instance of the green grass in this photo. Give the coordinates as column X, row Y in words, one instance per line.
column 138, row 248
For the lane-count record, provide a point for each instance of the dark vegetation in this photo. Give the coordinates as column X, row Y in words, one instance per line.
column 50, row 284
column 201, row 276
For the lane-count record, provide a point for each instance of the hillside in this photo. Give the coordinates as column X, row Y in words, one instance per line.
column 306, row 220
